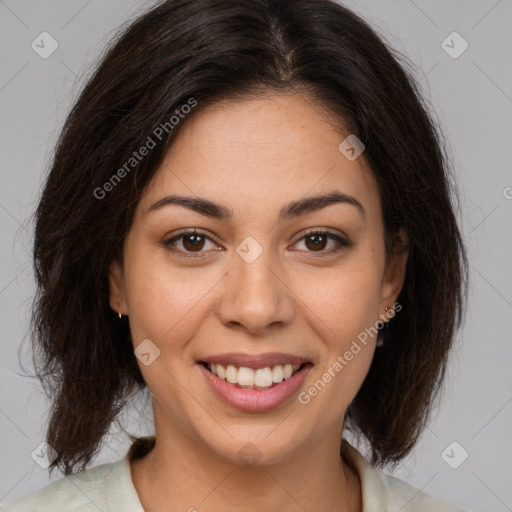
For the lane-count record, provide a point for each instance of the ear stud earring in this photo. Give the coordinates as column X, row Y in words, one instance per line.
column 386, row 323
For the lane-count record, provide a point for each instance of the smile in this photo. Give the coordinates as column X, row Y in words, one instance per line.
column 254, row 383
column 249, row 378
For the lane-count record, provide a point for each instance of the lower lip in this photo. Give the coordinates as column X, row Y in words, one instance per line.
column 255, row 400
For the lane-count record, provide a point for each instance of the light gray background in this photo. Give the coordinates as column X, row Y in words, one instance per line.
column 472, row 96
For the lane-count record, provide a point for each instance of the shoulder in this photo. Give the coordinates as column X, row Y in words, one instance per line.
column 99, row 488
column 382, row 492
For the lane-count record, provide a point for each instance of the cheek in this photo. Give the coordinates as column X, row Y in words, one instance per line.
column 345, row 306
column 165, row 302
column 348, row 311
column 345, row 299
column 166, row 308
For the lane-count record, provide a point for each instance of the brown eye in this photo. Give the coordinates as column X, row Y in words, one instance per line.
column 316, row 242
column 192, row 244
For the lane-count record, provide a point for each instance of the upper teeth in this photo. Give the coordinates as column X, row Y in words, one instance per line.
column 250, row 378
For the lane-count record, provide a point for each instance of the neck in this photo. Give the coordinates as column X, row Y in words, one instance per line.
column 187, row 476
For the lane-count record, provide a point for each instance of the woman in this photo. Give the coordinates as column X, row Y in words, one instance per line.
column 249, row 212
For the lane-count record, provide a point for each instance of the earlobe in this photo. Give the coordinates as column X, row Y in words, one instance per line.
column 395, row 273
column 117, row 296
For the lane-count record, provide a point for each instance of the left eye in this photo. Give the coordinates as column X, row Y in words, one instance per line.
column 317, row 240
column 193, row 242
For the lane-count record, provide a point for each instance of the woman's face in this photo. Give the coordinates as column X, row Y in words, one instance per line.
column 251, row 288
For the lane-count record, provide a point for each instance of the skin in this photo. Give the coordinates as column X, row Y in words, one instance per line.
column 254, row 156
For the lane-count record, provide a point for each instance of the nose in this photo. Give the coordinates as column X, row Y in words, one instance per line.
column 255, row 296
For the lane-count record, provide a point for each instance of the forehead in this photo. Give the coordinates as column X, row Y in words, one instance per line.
column 258, row 154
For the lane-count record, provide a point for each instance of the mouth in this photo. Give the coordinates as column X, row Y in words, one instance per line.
column 255, row 383
column 257, row 378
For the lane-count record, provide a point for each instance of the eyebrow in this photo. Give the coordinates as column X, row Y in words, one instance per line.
column 294, row 209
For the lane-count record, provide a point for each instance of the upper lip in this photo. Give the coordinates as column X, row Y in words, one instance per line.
column 254, row 361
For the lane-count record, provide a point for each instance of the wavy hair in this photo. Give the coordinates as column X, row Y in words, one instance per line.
column 220, row 49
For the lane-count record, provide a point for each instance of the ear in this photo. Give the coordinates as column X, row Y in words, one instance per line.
column 117, row 295
column 394, row 275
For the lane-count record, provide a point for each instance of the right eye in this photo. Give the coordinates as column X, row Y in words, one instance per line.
column 192, row 243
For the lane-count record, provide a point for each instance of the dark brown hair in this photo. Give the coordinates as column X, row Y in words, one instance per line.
column 224, row 49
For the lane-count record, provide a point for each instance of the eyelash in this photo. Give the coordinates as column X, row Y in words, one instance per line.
column 343, row 243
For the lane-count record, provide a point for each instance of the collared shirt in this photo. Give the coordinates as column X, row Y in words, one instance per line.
column 109, row 488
